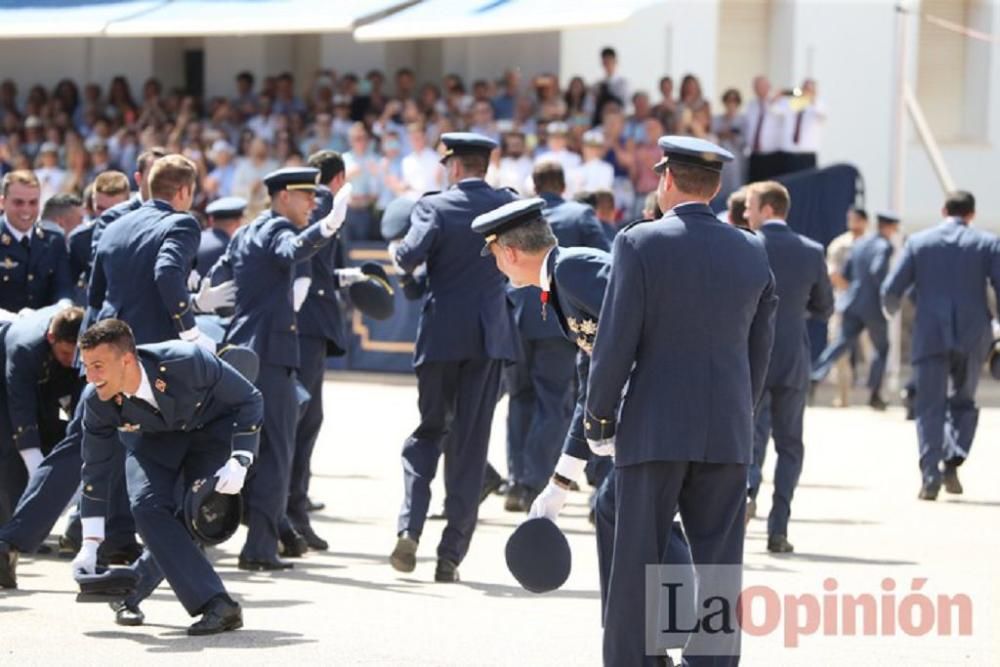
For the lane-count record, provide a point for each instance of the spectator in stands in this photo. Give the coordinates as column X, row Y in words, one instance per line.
column 802, row 130
column 641, row 110
column 422, row 170
column 613, row 82
column 248, row 176
column 595, row 173
column 647, row 154
column 579, row 103
column 362, row 168
column 505, row 102
column 728, row 128
column 763, row 123
column 50, row 175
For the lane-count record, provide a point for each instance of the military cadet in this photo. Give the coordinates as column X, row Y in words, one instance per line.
column 804, row 291
column 465, row 333
column 144, row 163
column 224, row 217
column 180, row 413
column 574, row 279
column 950, row 266
column 36, row 352
column 65, row 211
column 321, row 334
column 866, row 268
column 687, row 322
column 34, row 268
column 109, row 189
column 540, row 382
column 141, row 267
column 261, row 259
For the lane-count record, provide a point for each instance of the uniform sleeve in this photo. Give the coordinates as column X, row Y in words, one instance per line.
column 762, row 339
column 617, row 339
column 98, row 286
column 173, row 264
column 22, row 379
column 592, row 232
column 898, row 282
column 880, row 263
column 575, row 444
column 100, row 438
column 242, row 403
column 289, row 247
column 820, row 305
column 416, row 245
column 62, row 277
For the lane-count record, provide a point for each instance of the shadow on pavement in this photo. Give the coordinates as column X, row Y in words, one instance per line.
column 177, row 640
column 846, row 560
column 981, row 503
column 504, row 591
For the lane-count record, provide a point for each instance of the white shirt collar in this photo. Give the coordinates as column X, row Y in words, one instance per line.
column 145, row 390
column 16, row 233
column 776, row 220
column 544, row 280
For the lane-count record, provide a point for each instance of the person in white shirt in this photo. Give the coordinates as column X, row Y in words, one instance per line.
column 595, row 173
column 558, row 151
column 50, row 176
column 422, row 171
column 763, row 120
column 515, row 166
column 802, row 132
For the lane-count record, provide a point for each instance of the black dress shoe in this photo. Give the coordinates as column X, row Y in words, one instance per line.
column 404, row 556
column 68, row 546
column 220, row 615
column 314, row 541
column 491, row 482
column 779, row 544
column 127, row 614
column 929, row 490
column 751, row 511
column 876, row 402
column 951, row 482
column 446, row 571
column 292, row 544
column 254, row 565
column 516, row 500
column 125, row 554
column 314, row 506
column 8, row 565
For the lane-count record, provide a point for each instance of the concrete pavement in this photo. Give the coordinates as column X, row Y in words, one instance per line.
column 856, row 522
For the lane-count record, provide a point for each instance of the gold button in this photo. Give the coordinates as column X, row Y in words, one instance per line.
column 163, row 369
column 89, row 488
column 321, row 292
column 181, row 304
column 586, row 425
column 292, row 327
column 31, row 276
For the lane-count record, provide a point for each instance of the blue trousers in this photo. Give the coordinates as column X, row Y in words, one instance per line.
column 171, row 552
column 711, row 498
column 850, row 329
column 456, row 401
column 780, row 414
column 266, row 491
column 540, row 408
column 946, row 419
column 53, row 486
column 312, row 355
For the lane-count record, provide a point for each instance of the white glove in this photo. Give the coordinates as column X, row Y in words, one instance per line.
column 194, row 280
column 194, row 335
column 209, row 298
column 86, row 558
column 24, row 312
column 334, row 220
column 231, row 477
column 392, row 249
column 605, row 447
column 7, row 316
column 300, row 290
column 347, row 277
column 32, row 459
column 420, row 271
column 549, row 502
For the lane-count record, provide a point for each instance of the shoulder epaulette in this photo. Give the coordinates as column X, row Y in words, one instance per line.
column 625, row 228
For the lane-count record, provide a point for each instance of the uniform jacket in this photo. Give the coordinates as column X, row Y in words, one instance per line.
column 949, row 266
column 140, row 272
column 36, row 276
column 78, row 244
column 108, row 217
column 688, row 323
column 261, row 259
column 465, row 313
column 574, row 225
column 32, row 381
column 320, row 315
column 195, row 391
column 804, row 290
column 211, row 246
column 866, row 268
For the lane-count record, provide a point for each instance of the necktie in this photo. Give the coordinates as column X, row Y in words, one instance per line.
column 798, row 126
column 760, row 126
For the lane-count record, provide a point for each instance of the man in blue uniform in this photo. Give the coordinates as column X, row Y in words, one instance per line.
column 109, row 189
column 34, row 267
column 321, row 334
column 687, row 323
column 950, row 267
column 36, row 353
column 866, row 268
column 540, row 382
column 574, row 280
column 180, row 413
column 224, row 217
column 261, row 258
column 465, row 333
column 804, row 291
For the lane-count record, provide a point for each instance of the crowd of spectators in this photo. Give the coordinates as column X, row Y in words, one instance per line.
column 602, row 132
